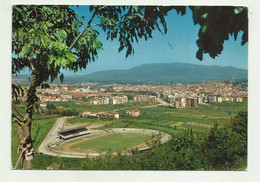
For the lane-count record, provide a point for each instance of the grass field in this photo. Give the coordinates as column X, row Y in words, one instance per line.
column 114, row 142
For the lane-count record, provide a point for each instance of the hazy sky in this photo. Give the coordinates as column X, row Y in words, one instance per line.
column 182, row 35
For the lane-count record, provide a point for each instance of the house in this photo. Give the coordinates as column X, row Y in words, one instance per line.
column 86, row 113
column 43, row 105
column 133, row 112
column 194, row 102
column 151, row 100
column 191, row 102
column 239, row 99
column 115, row 114
column 89, row 113
column 94, row 101
column 177, row 104
column 220, row 99
column 93, row 114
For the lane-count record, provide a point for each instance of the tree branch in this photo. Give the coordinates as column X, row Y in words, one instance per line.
column 17, row 110
column 17, row 120
column 89, row 22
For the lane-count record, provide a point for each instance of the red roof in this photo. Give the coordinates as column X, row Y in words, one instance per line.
column 134, row 110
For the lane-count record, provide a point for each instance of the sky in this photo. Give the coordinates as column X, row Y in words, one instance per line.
column 182, row 35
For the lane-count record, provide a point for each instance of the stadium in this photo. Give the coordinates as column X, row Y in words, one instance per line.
column 81, row 142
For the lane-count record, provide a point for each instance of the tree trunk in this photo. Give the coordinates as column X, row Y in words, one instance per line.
column 25, row 147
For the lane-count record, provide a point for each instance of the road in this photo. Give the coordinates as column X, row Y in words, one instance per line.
column 163, row 103
column 52, row 136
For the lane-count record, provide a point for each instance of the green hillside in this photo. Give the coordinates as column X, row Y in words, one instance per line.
column 156, row 73
column 167, row 72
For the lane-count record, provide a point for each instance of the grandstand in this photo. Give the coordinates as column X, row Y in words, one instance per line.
column 73, row 132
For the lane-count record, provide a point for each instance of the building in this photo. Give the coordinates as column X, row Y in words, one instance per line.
column 115, row 114
column 199, row 99
column 133, row 112
column 170, row 98
column 220, row 99
column 118, row 100
column 177, row 104
column 151, row 100
column 194, row 103
column 188, row 102
column 86, row 113
column 140, row 98
column 101, row 114
column 94, row 101
column 239, row 99
column 73, row 132
column 191, row 102
column 212, row 99
column 104, row 100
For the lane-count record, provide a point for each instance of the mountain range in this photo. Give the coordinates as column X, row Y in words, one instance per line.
column 166, row 72
column 163, row 73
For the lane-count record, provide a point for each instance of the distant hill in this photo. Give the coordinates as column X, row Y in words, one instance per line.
column 168, row 72
column 164, row 72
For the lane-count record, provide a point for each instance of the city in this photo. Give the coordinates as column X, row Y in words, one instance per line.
column 177, row 95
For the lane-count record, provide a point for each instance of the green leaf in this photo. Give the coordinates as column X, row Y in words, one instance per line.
column 23, row 52
column 204, row 15
column 49, row 24
column 56, row 63
column 36, row 41
column 71, row 58
column 63, row 62
column 63, row 34
column 238, row 10
column 21, row 34
column 204, row 28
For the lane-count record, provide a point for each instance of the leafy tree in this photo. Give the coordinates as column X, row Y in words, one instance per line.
column 225, row 146
column 47, row 38
column 69, row 112
column 40, row 39
column 239, row 124
column 51, row 106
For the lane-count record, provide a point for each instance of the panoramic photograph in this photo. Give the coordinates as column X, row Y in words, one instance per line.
column 102, row 87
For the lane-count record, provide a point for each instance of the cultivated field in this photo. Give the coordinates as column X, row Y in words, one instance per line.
column 166, row 119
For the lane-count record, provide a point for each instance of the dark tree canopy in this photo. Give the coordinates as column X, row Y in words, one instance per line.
column 217, row 24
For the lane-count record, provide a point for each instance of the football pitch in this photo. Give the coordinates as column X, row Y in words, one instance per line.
column 114, row 142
